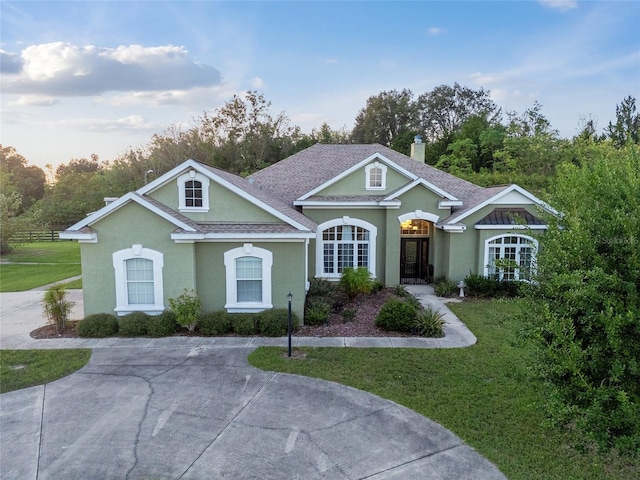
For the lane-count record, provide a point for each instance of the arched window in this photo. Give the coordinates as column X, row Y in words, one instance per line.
column 375, row 176
column 138, row 274
column 345, row 242
column 248, row 279
column 193, row 192
column 510, row 257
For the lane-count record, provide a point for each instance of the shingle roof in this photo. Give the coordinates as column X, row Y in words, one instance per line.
column 301, row 173
column 510, row 216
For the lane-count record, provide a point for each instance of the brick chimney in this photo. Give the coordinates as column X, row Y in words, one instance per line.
column 418, row 149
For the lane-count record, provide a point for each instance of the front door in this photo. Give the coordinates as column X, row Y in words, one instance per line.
column 414, row 260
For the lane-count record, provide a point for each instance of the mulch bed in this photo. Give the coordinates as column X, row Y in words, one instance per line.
column 363, row 325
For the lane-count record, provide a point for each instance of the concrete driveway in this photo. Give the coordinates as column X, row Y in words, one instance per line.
column 205, row 413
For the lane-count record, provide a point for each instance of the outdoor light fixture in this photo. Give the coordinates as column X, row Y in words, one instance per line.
column 146, row 176
column 289, row 298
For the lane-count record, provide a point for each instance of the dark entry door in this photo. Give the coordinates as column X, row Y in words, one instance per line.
column 414, row 259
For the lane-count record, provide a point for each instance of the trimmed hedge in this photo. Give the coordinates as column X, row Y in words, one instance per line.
column 244, row 323
column 274, row 323
column 215, row 323
column 98, row 325
column 134, row 324
column 163, row 325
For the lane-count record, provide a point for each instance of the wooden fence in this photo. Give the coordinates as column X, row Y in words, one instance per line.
column 35, row 236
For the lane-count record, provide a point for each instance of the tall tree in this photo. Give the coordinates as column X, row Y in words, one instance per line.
column 385, row 116
column 445, row 109
column 627, row 126
column 17, row 175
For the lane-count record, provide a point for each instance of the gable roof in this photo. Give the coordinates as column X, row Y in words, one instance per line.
column 304, row 172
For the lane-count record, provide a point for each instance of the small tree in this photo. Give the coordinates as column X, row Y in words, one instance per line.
column 56, row 307
column 187, row 308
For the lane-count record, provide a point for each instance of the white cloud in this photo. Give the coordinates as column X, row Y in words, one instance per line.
column 128, row 123
column 562, row 5
column 258, row 82
column 436, row 31
column 331, row 60
column 486, row 79
column 33, row 101
column 64, row 69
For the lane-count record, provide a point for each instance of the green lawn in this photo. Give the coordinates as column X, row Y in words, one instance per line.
column 26, row 368
column 482, row 393
column 45, row 252
column 38, row 264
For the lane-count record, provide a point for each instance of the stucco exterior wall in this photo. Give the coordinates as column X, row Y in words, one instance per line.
column 287, row 274
column 224, row 205
column 355, row 183
column 132, row 224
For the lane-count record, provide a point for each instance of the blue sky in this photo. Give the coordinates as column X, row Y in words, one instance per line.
column 100, row 77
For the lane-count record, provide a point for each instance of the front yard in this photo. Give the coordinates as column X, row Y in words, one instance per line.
column 482, row 393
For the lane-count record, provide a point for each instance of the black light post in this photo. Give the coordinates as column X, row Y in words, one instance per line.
column 289, row 297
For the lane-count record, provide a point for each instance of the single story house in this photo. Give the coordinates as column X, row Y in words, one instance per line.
column 244, row 243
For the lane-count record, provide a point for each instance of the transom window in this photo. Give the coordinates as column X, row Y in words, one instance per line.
column 193, row 193
column 415, row 227
column 510, row 257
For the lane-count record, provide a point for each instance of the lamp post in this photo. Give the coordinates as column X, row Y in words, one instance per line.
column 289, row 298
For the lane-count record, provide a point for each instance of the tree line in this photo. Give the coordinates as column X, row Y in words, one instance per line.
column 466, row 133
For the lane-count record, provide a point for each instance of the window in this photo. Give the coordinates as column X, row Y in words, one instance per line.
column 248, row 279
column 138, row 275
column 415, row 227
column 376, row 176
column 193, row 192
column 510, row 257
column 345, row 243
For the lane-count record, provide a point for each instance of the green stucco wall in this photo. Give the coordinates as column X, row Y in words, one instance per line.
column 224, row 205
column 288, row 273
column 355, row 184
column 129, row 225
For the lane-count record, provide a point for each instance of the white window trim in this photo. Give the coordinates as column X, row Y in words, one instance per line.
column 230, row 256
column 119, row 265
column 187, row 177
column 373, row 233
column 367, row 171
column 534, row 246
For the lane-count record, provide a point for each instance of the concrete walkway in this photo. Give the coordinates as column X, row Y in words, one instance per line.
column 21, row 313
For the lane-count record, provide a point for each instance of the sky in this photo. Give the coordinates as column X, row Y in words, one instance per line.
column 87, row 77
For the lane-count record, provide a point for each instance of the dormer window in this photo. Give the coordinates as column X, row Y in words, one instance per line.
column 376, row 176
column 193, row 192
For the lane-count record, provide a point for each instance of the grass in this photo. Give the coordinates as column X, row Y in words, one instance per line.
column 482, row 393
column 26, row 368
column 40, row 263
column 45, row 252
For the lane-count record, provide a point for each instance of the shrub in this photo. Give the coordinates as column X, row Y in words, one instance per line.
column 397, row 316
column 349, row 314
column 163, row 325
column 400, row 291
column 430, row 323
column 98, row 325
column 356, row 281
column 376, row 286
column 480, row 286
column 56, row 307
column 319, row 287
column 444, row 287
column 274, row 323
column 244, row 323
column 187, row 308
column 317, row 312
column 215, row 323
column 134, row 324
